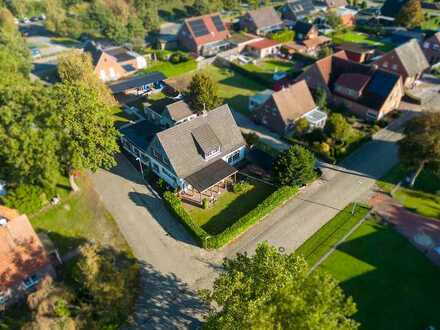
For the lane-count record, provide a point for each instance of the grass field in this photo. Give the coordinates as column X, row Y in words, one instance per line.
column 332, row 232
column 171, row 70
column 358, row 37
column 394, row 286
column 229, row 208
column 233, row 87
column 80, row 217
column 423, row 198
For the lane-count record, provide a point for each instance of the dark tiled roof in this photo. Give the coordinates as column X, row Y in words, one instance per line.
column 303, row 27
column 392, row 7
column 141, row 133
column 354, row 81
column 211, row 175
column 300, row 8
column 379, row 88
column 206, row 139
column 211, row 32
column 265, row 17
column 136, row 82
column 94, row 51
column 120, row 54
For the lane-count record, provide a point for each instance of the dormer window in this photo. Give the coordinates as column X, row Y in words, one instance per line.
column 207, row 141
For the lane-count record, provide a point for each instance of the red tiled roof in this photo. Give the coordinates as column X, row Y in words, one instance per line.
column 21, row 252
column 213, row 35
column 353, row 81
column 264, row 43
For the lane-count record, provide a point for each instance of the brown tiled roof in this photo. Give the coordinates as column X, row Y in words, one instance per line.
column 264, row 43
column 354, row 81
column 294, row 101
column 315, row 42
column 178, row 110
column 412, row 57
column 335, row 3
column 21, row 252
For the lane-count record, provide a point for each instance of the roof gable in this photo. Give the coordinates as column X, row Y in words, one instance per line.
column 183, row 149
column 412, row 57
column 265, row 17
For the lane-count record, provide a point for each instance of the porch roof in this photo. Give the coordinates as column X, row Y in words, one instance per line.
column 210, row 175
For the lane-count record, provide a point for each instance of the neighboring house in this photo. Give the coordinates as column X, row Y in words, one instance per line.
column 241, row 39
column 167, row 112
column 407, row 60
column 347, row 16
column 283, row 108
column 167, row 38
column 257, row 100
column 204, row 35
column 305, row 31
column 431, row 48
column 113, row 63
column 366, row 91
column 23, row 259
column 401, row 36
column 261, row 21
column 262, row 48
column 297, row 10
column 356, row 52
column 196, row 157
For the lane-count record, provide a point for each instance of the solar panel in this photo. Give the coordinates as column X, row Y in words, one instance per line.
column 198, row 27
column 218, row 23
column 381, row 84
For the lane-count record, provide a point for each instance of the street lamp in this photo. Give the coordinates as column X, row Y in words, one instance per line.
column 140, row 166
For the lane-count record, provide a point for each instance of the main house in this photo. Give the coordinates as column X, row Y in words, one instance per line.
column 364, row 90
column 407, row 60
column 113, row 63
column 204, row 35
column 23, row 259
column 431, row 48
column 197, row 156
column 282, row 109
column 261, row 21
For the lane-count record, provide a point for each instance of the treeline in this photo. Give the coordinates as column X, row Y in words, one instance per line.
column 46, row 132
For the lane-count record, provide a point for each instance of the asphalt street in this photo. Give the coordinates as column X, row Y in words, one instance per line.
column 174, row 267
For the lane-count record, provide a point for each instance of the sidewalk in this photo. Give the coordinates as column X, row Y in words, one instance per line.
column 422, row 232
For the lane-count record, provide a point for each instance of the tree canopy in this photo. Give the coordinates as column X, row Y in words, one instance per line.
column 338, row 128
column 411, row 14
column 294, row 167
column 421, row 145
column 203, row 93
column 271, row 290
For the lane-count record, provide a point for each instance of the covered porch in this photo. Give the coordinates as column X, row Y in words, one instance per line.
column 209, row 183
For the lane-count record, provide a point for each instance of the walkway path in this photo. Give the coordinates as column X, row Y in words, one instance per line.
column 422, row 232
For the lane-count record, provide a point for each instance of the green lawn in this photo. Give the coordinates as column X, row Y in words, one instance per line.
column 332, row 232
column 171, row 70
column 229, row 208
column 80, row 217
column 359, row 37
column 423, row 198
column 394, row 286
column 270, row 66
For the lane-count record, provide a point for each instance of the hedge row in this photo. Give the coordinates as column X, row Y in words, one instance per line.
column 273, row 201
column 174, row 204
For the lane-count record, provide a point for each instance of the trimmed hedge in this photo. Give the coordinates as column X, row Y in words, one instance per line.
column 273, row 201
column 174, row 204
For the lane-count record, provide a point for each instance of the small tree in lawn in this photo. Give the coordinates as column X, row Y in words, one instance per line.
column 294, row 167
column 272, row 291
column 321, row 99
column 411, row 14
column 202, row 93
column 421, row 145
column 302, row 126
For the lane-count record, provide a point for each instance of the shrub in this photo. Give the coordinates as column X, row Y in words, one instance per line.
column 273, row 201
column 251, row 138
column 205, row 203
column 242, row 187
column 25, row 198
column 283, row 36
column 176, row 58
column 174, row 204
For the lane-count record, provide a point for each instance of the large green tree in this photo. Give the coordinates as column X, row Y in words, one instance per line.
column 271, row 290
column 421, row 145
column 89, row 136
column 294, row 167
column 411, row 14
column 338, row 128
column 203, row 93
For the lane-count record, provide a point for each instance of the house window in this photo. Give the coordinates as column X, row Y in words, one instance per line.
column 234, row 157
column 385, row 64
column 30, row 281
column 212, row 153
column 426, row 45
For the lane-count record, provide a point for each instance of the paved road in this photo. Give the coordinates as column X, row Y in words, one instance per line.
column 174, row 266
